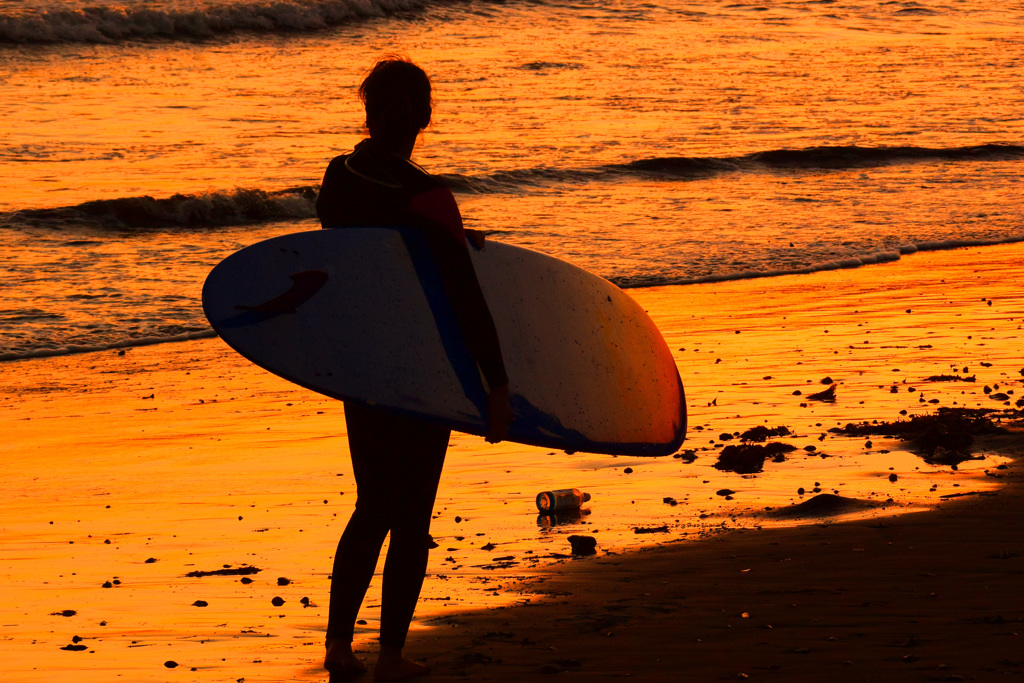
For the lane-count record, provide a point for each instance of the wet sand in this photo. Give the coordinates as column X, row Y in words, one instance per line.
column 124, row 473
column 930, row 596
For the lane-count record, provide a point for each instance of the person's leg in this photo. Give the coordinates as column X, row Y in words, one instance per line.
column 359, row 547
column 412, row 489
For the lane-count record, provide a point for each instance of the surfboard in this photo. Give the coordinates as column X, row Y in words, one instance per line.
column 360, row 314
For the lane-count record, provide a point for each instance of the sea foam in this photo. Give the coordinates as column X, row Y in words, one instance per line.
column 109, row 24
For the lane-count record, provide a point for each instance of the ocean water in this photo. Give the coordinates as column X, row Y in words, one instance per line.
column 650, row 142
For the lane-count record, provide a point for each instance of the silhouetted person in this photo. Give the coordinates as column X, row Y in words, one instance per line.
column 397, row 459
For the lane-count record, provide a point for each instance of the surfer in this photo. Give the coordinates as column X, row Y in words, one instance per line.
column 396, row 459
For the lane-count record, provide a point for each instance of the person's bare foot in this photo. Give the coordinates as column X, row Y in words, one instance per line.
column 392, row 666
column 341, row 662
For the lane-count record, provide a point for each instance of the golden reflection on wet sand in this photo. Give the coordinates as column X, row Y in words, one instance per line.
column 186, row 455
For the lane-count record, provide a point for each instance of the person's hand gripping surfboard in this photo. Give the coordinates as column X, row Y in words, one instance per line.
column 499, row 414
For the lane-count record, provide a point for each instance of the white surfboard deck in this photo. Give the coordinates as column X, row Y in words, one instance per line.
column 359, row 314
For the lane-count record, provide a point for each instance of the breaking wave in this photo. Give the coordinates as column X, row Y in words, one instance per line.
column 253, row 206
column 207, row 210
column 695, row 168
column 110, row 24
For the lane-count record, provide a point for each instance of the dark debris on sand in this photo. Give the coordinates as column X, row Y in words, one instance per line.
column 827, row 396
column 749, row 459
column 944, row 437
column 761, row 433
column 227, row 571
column 583, row 545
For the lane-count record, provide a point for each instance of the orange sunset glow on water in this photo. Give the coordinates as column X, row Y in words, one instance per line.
column 794, row 192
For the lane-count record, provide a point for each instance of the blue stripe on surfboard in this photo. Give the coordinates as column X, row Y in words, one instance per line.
column 455, row 349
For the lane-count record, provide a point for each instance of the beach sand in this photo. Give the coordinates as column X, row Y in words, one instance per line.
column 124, row 472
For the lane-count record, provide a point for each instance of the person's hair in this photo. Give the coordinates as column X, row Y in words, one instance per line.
column 396, row 94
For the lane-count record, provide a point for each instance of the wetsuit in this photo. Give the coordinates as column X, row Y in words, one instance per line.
column 396, row 459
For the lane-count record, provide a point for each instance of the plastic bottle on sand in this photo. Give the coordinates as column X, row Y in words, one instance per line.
column 561, row 499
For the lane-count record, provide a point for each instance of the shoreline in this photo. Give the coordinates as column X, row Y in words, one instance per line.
column 186, row 455
column 627, row 283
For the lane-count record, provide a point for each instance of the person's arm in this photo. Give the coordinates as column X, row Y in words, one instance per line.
column 445, row 235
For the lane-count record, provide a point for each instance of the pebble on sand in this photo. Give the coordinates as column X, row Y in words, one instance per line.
column 277, row 601
column 828, row 396
column 583, row 545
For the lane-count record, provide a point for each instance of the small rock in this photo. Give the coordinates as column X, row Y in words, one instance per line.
column 893, row 477
column 277, row 601
column 200, row 603
column 827, row 396
column 724, row 492
column 281, row 581
column 170, row 664
column 583, row 545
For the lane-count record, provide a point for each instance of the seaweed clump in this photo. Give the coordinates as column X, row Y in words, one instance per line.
column 761, row 433
column 750, row 459
column 944, row 437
